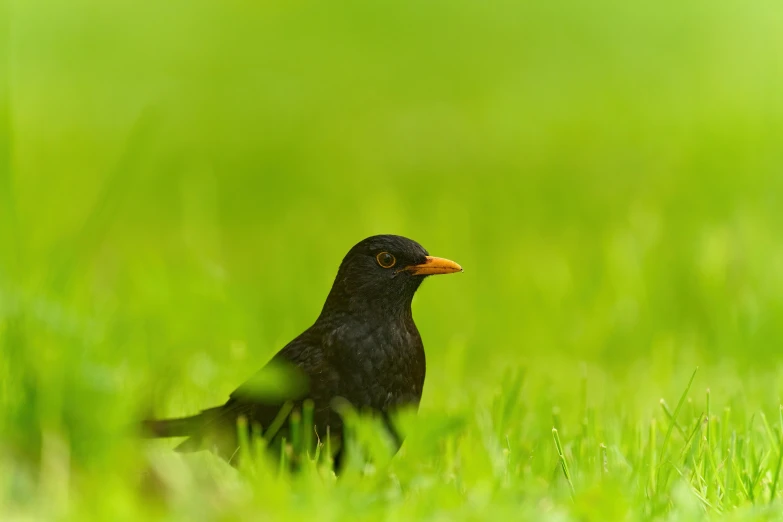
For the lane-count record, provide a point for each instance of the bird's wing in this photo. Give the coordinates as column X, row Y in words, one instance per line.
column 299, row 370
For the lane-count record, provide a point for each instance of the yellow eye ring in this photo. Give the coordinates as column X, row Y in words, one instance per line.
column 385, row 259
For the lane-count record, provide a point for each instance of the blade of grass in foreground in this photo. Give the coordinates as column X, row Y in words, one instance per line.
column 653, row 466
column 673, row 421
column 563, row 463
column 670, row 417
column 774, row 487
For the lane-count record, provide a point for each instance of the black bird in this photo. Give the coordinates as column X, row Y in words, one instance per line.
column 364, row 348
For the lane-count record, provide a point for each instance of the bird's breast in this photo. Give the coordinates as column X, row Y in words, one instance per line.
column 380, row 367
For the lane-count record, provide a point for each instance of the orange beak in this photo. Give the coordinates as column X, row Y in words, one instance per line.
column 433, row 266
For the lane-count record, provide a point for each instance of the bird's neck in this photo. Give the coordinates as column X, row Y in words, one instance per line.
column 367, row 302
column 377, row 310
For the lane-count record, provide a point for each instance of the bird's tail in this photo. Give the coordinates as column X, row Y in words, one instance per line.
column 182, row 427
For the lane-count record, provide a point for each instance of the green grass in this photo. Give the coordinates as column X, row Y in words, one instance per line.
column 179, row 181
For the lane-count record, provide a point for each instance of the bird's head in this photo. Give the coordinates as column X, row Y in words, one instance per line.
column 382, row 273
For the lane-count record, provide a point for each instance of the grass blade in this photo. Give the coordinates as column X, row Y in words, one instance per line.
column 563, row 463
column 774, row 487
column 673, row 420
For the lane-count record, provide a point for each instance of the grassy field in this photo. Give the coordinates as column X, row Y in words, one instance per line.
column 180, row 180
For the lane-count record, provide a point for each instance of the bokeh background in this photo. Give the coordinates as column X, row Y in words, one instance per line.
column 180, row 180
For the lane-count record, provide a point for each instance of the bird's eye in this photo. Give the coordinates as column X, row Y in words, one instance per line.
column 385, row 259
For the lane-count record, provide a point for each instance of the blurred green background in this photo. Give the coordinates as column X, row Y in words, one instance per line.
column 180, row 180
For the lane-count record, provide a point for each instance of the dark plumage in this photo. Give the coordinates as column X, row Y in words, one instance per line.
column 364, row 348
